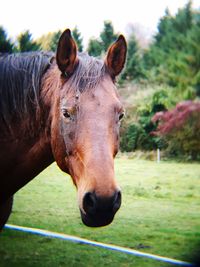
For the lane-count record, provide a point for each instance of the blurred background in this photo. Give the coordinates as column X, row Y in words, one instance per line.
column 162, row 72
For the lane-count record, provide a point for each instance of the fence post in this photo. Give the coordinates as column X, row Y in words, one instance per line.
column 158, row 155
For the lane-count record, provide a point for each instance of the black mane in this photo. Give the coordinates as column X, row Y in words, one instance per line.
column 20, row 80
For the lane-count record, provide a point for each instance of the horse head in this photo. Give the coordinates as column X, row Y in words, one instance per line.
column 85, row 126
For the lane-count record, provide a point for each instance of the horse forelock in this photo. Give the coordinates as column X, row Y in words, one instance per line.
column 88, row 73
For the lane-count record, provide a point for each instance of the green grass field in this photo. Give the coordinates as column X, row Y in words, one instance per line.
column 160, row 214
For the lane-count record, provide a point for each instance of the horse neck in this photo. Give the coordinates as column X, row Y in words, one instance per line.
column 26, row 145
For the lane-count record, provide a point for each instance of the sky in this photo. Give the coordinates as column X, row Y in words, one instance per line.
column 42, row 16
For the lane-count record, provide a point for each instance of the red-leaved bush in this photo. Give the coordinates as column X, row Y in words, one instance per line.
column 180, row 127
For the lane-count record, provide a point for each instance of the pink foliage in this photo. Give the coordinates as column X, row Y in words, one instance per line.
column 175, row 119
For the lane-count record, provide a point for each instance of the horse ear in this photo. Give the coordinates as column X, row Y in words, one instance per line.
column 66, row 55
column 116, row 56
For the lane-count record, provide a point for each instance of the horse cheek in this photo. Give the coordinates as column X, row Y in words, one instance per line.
column 58, row 146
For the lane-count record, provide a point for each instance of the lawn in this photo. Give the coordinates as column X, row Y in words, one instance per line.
column 160, row 214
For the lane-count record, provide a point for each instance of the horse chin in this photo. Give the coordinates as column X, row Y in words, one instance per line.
column 97, row 220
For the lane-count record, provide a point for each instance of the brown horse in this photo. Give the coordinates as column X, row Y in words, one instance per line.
column 64, row 109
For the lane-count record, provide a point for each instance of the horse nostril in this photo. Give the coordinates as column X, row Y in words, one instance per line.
column 93, row 204
column 117, row 201
column 89, row 203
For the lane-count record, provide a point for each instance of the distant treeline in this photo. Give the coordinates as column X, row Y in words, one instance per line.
column 171, row 61
column 173, row 57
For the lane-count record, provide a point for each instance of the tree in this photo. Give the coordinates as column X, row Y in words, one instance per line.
column 137, row 133
column 192, row 53
column 173, row 57
column 26, row 43
column 54, row 40
column 49, row 41
column 79, row 40
column 165, row 24
column 131, row 137
column 133, row 68
column 184, row 19
column 45, row 41
column 100, row 45
column 180, row 127
column 107, row 35
column 6, row 45
column 94, row 47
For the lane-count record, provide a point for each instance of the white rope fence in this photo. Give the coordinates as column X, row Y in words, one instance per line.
column 96, row 244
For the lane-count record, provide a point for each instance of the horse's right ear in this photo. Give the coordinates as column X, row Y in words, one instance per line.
column 66, row 55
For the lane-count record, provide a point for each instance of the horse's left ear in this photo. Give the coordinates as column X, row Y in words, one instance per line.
column 116, row 56
column 66, row 55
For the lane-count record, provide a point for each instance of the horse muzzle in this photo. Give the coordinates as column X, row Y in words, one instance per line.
column 99, row 211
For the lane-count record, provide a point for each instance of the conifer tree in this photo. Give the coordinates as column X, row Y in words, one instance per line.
column 5, row 44
column 26, row 43
column 94, row 47
column 133, row 68
column 79, row 40
column 107, row 35
column 54, row 41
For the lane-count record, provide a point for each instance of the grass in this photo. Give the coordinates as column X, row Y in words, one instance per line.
column 160, row 215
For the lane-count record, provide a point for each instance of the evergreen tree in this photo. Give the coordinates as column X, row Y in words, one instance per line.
column 5, row 44
column 79, row 40
column 192, row 53
column 107, row 35
column 26, row 43
column 165, row 39
column 54, row 41
column 173, row 57
column 94, row 47
column 183, row 20
column 97, row 46
column 133, row 69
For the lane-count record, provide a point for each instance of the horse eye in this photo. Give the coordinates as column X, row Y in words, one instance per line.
column 66, row 114
column 121, row 115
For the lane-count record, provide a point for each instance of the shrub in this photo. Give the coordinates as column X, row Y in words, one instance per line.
column 130, row 137
column 180, row 127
